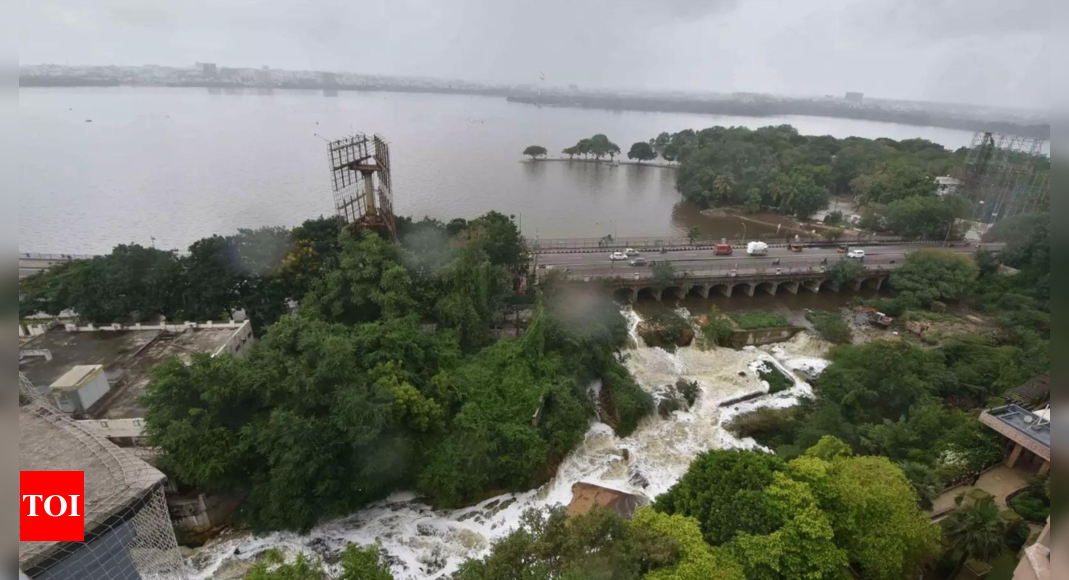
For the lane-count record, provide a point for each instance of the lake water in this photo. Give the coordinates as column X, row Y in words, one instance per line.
column 180, row 164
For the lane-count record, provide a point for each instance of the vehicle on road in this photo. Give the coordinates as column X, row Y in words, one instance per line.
column 794, row 247
column 639, row 262
column 617, row 256
column 722, row 250
column 757, row 249
column 631, row 252
column 856, row 254
column 843, row 248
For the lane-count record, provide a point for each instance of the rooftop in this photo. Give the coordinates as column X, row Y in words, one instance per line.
column 1033, row 392
column 127, row 356
column 115, row 480
column 1022, row 426
column 74, row 378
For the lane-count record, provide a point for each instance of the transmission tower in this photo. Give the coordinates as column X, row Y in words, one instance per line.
column 1003, row 176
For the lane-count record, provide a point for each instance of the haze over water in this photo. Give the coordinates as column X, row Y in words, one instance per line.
column 180, row 164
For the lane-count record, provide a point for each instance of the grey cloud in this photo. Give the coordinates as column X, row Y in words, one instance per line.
column 984, row 51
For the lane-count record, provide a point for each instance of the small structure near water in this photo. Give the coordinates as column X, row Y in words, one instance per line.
column 587, row 496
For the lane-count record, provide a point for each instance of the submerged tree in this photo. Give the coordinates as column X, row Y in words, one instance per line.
column 535, row 151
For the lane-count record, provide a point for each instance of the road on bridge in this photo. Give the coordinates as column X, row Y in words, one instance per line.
column 599, row 264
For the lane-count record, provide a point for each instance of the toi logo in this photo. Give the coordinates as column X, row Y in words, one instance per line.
column 52, row 506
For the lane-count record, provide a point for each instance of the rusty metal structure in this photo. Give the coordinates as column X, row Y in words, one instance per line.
column 360, row 177
column 1006, row 175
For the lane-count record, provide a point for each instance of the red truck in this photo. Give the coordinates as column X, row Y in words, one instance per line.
column 722, row 250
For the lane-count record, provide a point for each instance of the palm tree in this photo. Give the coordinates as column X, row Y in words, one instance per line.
column 724, row 184
column 977, row 530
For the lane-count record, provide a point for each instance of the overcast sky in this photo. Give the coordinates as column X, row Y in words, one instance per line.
column 991, row 52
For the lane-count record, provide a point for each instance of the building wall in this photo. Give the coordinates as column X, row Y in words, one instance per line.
column 239, row 343
column 91, row 392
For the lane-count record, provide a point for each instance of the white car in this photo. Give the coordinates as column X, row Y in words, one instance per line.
column 856, row 254
column 631, row 252
column 617, row 256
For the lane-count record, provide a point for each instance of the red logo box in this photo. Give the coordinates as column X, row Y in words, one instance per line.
column 52, row 506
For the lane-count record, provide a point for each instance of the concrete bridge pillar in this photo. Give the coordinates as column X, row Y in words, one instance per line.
column 633, row 295
column 770, row 287
column 704, row 290
column 875, row 283
column 725, row 290
column 832, row 285
column 656, row 293
column 858, row 284
column 747, row 289
column 791, row 287
column 812, row 285
column 677, row 293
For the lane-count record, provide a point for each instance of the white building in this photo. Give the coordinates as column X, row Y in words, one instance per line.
column 946, row 185
column 79, row 388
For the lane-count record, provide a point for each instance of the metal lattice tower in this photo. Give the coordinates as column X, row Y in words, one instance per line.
column 128, row 532
column 360, row 177
column 1002, row 178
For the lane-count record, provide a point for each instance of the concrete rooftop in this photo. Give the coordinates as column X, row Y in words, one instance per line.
column 126, row 355
column 115, row 480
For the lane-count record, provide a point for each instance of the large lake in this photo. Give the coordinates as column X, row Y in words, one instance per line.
column 180, row 164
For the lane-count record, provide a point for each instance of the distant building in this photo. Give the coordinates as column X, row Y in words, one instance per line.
column 208, row 69
column 101, row 372
column 128, row 533
column 855, row 98
column 946, row 185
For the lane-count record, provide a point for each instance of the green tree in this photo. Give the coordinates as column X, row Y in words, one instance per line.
column 975, row 530
column 873, row 510
column 881, row 379
column 918, row 217
column 929, row 275
column 497, row 234
column 846, row 272
column 696, row 560
column 693, row 234
column 664, row 274
column 572, row 151
column 642, row 151
column 726, row 492
column 535, row 151
column 356, row 564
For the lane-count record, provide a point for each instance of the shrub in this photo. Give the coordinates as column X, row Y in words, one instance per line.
column 717, row 329
column 831, row 326
column 757, row 319
column 777, row 381
column 1031, row 507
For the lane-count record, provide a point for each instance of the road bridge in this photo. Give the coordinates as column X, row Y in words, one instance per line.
column 704, row 274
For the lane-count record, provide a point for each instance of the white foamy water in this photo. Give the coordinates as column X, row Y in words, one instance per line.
column 423, row 543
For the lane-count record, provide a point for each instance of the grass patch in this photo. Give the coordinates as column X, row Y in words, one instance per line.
column 777, row 381
column 831, row 326
column 757, row 319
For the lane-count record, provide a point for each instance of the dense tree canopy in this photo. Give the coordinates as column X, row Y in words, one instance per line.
column 642, row 151
column 810, row 518
column 356, row 564
column 535, row 151
column 929, row 275
column 598, row 545
column 353, row 396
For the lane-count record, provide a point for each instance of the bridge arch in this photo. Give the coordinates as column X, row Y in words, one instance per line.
column 770, row 287
column 745, row 287
column 829, row 285
column 625, row 295
column 673, row 293
column 721, row 289
column 648, row 293
column 699, row 291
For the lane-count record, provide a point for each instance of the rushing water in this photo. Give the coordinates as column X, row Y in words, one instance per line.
column 180, row 164
column 424, row 543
